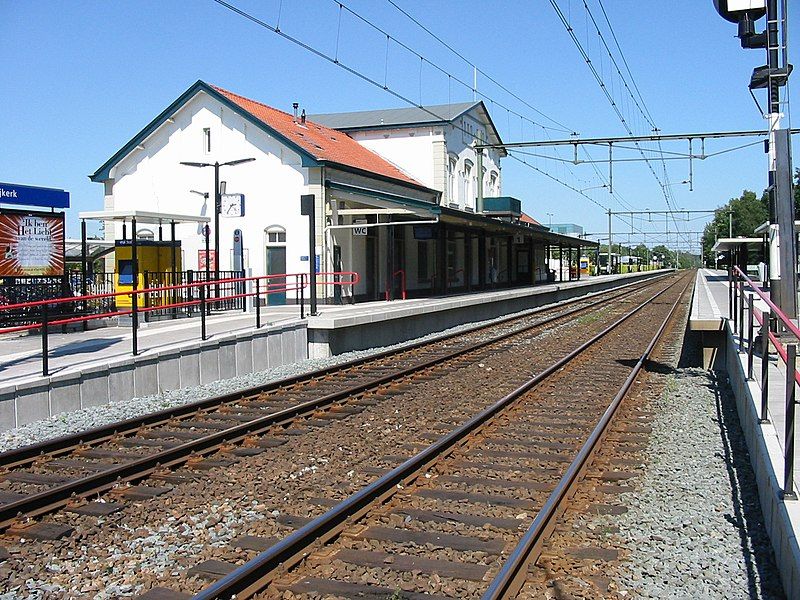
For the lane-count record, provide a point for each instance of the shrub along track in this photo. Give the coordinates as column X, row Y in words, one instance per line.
column 283, row 457
column 440, row 523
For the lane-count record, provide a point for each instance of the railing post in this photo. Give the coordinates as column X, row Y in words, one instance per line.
column 258, row 305
column 741, row 317
column 730, row 294
column 244, row 291
column 146, row 297
column 750, row 344
column 203, row 312
column 788, row 454
column 135, row 322
column 189, row 291
column 302, row 293
column 765, row 367
column 45, row 364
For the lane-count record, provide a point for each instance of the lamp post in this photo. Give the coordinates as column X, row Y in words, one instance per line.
column 217, row 205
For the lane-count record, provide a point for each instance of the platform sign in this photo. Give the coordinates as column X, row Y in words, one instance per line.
column 238, row 252
column 424, row 232
column 201, row 260
column 31, row 244
column 28, row 195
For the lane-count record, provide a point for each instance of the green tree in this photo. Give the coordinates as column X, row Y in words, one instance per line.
column 748, row 212
column 664, row 254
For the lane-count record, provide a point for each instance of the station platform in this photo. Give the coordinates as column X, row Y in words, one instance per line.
column 710, row 300
column 724, row 350
column 90, row 368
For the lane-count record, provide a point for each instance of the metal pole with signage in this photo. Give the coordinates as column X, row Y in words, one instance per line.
column 238, row 263
column 308, row 209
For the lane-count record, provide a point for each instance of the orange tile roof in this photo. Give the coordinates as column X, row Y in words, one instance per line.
column 528, row 219
column 322, row 143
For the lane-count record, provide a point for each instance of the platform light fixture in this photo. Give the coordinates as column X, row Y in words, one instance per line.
column 217, row 202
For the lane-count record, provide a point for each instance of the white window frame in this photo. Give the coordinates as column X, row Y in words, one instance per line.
column 452, row 165
column 469, row 184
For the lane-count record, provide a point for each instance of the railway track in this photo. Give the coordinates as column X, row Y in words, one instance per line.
column 215, row 433
column 466, row 515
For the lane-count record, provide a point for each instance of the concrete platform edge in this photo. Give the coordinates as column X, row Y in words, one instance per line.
column 329, row 337
column 781, row 519
column 129, row 377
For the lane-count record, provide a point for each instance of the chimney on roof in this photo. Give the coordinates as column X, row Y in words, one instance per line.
column 294, row 106
column 303, row 117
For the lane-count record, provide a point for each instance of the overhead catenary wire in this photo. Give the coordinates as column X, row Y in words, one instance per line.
column 665, row 187
column 478, row 69
column 370, row 80
column 334, row 60
column 444, row 71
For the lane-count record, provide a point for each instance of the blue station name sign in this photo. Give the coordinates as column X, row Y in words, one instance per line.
column 28, row 195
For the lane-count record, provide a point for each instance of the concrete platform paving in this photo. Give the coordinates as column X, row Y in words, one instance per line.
column 21, row 355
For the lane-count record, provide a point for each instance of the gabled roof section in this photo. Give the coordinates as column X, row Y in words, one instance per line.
column 315, row 143
column 526, row 218
column 411, row 116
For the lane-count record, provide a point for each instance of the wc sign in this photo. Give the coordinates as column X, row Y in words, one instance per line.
column 359, row 231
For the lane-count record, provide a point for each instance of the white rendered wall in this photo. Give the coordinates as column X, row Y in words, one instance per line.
column 413, row 149
column 153, row 180
column 410, row 149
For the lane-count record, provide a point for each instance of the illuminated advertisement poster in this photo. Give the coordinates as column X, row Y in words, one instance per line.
column 31, row 244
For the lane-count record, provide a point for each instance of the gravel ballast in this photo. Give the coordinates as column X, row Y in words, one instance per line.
column 694, row 528
column 97, row 416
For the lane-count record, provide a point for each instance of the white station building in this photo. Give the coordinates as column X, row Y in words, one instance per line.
column 396, row 193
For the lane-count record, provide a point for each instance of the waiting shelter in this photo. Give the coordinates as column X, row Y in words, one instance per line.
column 138, row 254
column 738, row 250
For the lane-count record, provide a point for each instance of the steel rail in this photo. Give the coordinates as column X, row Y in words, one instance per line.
column 64, row 444
column 507, row 583
column 61, row 495
column 255, row 574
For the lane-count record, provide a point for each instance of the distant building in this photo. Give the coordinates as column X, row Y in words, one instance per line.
column 566, row 229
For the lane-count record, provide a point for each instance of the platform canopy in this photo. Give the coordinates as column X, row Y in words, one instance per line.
column 764, row 227
column 94, row 248
column 141, row 216
column 728, row 244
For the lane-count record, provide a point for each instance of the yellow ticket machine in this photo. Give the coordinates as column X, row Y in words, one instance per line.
column 153, row 256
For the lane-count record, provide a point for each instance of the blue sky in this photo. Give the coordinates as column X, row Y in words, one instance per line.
column 81, row 78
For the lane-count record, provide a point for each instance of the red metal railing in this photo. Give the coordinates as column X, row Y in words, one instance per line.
column 273, row 284
column 772, row 318
column 390, row 283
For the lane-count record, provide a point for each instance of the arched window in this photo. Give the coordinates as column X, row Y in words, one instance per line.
column 275, row 234
column 469, row 184
column 494, row 183
column 451, row 178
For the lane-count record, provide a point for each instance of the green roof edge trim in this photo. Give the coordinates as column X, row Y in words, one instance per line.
column 103, row 172
column 410, row 202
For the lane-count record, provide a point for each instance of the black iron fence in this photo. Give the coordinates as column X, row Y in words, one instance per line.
column 161, row 279
column 18, row 290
